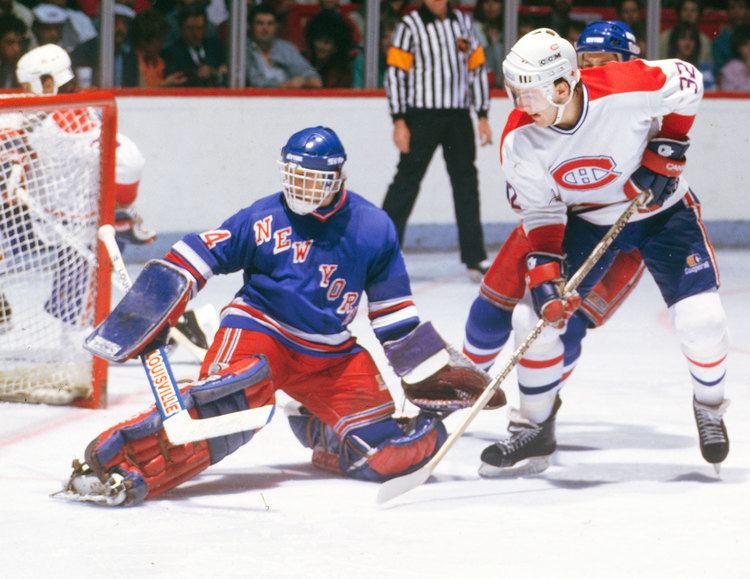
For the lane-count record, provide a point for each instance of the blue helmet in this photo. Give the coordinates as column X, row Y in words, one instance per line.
column 608, row 36
column 316, row 148
column 311, row 163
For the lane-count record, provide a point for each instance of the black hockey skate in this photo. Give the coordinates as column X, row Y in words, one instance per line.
column 188, row 324
column 526, row 452
column 194, row 331
column 712, row 432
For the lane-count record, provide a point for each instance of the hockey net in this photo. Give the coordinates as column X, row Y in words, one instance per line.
column 56, row 189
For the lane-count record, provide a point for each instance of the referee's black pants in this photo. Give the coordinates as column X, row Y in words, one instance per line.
column 453, row 130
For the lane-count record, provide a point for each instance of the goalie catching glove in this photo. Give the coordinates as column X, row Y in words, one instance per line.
column 435, row 376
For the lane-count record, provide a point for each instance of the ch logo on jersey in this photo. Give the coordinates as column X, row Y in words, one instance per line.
column 693, row 259
column 585, row 173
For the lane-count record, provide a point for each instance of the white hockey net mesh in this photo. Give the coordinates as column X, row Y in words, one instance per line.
column 51, row 284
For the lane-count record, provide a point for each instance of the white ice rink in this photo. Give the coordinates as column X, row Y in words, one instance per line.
column 629, row 494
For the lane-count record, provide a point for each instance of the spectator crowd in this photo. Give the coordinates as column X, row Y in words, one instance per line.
column 319, row 43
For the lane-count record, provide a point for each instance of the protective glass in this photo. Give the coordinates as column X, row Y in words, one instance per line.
column 529, row 100
column 306, row 189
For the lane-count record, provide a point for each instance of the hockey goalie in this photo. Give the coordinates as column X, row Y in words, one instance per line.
column 308, row 255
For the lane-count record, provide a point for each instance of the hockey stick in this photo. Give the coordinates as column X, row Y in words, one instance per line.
column 178, row 424
column 400, row 485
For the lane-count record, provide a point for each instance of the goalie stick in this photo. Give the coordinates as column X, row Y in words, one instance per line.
column 23, row 196
column 178, row 424
column 403, row 484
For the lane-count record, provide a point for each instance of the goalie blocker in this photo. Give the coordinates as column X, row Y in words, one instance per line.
column 141, row 321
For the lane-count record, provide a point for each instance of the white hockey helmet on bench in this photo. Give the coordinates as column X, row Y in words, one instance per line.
column 50, row 60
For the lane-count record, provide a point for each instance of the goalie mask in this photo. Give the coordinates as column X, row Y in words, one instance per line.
column 532, row 66
column 48, row 60
column 311, row 163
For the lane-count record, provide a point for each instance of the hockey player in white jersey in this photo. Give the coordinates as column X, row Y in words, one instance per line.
column 576, row 148
column 47, row 70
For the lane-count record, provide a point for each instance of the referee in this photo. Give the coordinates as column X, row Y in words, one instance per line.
column 435, row 72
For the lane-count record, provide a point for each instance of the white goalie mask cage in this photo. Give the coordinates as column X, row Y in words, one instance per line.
column 311, row 165
column 306, row 189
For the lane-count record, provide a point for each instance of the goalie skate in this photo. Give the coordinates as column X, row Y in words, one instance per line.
column 85, row 487
column 525, row 452
column 195, row 331
column 199, row 325
column 712, row 433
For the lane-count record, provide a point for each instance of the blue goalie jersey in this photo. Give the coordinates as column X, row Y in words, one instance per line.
column 304, row 275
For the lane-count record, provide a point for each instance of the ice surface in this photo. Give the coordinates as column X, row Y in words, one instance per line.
column 628, row 496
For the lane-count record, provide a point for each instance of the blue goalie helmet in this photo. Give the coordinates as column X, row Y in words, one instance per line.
column 611, row 36
column 311, row 168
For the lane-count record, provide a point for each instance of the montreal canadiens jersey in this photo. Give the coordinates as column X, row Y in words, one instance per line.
column 585, row 168
column 304, row 276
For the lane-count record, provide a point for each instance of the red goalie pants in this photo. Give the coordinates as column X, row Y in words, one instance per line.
column 345, row 391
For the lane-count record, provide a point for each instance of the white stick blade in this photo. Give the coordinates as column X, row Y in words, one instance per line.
column 403, row 484
column 181, row 428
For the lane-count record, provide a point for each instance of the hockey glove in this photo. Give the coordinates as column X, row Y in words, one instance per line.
column 129, row 227
column 545, row 279
column 435, row 376
column 660, row 170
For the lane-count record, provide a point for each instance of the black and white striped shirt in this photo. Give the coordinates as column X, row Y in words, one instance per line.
column 436, row 64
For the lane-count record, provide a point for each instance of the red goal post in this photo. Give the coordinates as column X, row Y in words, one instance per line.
column 57, row 170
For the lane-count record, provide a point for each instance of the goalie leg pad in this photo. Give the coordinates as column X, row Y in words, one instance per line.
column 364, row 457
column 154, row 303
column 246, row 383
column 139, row 449
column 376, row 452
